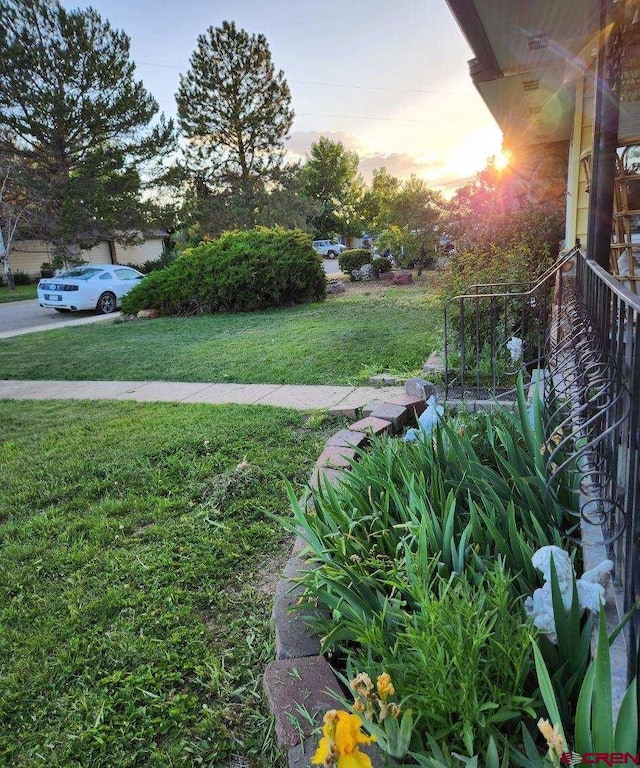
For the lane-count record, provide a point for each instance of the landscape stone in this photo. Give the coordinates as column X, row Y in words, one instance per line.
column 415, row 405
column 418, row 387
column 331, row 476
column 402, row 278
column 294, row 684
column 347, row 438
column 396, row 415
column 333, row 286
column 346, row 411
column 435, row 363
column 365, row 273
column 294, row 638
column 336, row 456
column 148, row 314
column 371, row 425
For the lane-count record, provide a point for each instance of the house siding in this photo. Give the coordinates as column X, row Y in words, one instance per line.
column 150, row 250
column 28, row 255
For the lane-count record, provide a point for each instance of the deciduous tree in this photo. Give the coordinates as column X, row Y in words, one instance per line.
column 378, row 201
column 414, row 215
column 331, row 179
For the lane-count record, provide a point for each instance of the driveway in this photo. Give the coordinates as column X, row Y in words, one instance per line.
column 18, row 317
column 331, row 266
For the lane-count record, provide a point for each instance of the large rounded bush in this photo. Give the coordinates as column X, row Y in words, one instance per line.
column 239, row 272
column 382, row 265
column 354, row 258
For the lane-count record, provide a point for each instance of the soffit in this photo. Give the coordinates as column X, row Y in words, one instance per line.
column 530, row 54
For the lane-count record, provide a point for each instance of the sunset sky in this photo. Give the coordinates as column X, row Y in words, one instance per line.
column 388, row 78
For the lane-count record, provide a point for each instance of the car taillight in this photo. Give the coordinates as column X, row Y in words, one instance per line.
column 68, row 288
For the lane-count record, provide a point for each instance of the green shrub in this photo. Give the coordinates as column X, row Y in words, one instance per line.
column 382, row 265
column 241, row 271
column 354, row 258
column 467, row 647
column 167, row 256
column 21, row 278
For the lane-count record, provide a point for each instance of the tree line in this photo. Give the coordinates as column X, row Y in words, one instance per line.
column 85, row 153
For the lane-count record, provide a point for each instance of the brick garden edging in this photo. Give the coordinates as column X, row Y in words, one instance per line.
column 300, row 680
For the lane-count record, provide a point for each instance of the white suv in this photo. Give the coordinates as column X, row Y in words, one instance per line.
column 328, row 248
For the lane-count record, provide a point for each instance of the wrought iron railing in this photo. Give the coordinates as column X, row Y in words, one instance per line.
column 586, row 344
column 614, row 316
column 494, row 331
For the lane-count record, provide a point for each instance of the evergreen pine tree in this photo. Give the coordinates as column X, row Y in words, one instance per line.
column 234, row 109
column 76, row 121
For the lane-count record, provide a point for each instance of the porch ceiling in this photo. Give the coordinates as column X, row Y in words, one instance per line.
column 528, row 57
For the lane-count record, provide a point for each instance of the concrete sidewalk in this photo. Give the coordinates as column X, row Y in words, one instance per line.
column 338, row 399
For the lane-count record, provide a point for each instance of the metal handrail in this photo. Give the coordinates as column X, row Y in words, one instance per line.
column 532, row 297
column 549, row 272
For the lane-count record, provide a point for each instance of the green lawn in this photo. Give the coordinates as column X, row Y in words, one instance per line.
column 20, row 293
column 342, row 340
column 136, row 572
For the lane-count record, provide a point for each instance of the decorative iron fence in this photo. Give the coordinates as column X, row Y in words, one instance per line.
column 614, row 316
column 582, row 333
column 495, row 331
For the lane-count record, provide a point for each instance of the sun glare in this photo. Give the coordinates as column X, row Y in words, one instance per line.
column 503, row 159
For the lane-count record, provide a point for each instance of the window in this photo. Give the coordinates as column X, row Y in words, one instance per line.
column 124, row 273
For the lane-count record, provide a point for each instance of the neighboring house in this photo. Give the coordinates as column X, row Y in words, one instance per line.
column 562, row 80
column 28, row 255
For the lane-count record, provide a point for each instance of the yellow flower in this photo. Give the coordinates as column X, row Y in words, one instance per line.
column 553, row 736
column 338, row 747
column 362, row 684
column 385, row 686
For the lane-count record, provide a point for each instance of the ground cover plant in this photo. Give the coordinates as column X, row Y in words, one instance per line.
column 137, row 565
column 20, row 293
column 424, row 560
column 343, row 340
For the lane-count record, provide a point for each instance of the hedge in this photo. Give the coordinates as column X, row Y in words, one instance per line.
column 241, row 271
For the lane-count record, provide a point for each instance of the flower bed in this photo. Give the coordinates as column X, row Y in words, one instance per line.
column 419, row 562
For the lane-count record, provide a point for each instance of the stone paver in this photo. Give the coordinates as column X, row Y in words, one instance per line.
column 347, row 438
column 370, row 424
column 415, row 405
column 294, row 637
column 328, row 475
column 336, row 456
column 293, row 685
column 396, row 415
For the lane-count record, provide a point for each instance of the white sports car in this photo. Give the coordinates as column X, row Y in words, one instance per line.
column 89, row 286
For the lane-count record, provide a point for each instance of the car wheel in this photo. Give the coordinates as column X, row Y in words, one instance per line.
column 331, row 254
column 106, row 303
column 61, row 310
